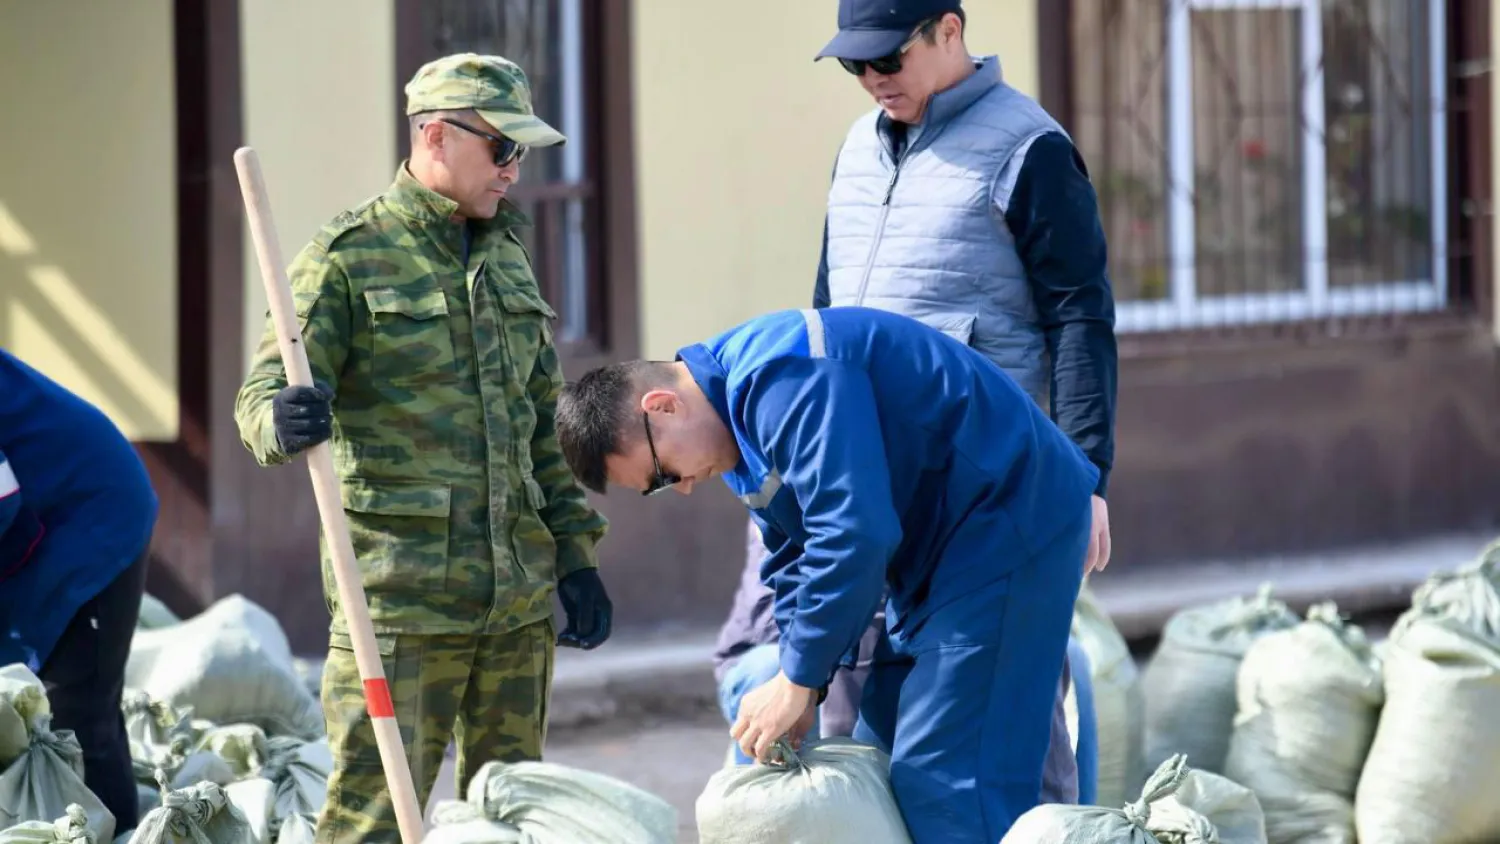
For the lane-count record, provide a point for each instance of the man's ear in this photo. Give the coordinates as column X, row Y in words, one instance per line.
column 434, row 137
column 660, row 401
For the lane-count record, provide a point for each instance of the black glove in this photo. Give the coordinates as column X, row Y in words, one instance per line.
column 302, row 416
column 588, row 608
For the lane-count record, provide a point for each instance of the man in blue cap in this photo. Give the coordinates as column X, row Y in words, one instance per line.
column 960, row 202
column 879, row 457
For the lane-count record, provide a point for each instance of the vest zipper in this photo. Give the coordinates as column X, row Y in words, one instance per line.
column 885, row 209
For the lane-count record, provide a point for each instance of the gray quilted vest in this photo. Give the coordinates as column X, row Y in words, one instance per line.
column 922, row 236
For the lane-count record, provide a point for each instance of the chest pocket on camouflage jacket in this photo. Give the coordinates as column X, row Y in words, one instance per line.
column 411, row 341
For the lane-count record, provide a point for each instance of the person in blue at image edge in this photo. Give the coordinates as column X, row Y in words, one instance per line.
column 76, row 515
column 876, row 454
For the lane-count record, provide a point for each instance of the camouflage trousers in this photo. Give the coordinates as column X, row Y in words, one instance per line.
column 488, row 693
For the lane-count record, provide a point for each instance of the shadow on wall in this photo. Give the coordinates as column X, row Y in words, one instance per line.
column 58, row 325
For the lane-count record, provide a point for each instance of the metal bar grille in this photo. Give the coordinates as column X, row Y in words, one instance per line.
column 1267, row 160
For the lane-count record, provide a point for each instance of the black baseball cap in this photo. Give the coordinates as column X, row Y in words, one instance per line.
column 870, row 29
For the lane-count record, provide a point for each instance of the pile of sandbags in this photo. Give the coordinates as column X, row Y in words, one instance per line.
column 232, row 664
column 1309, row 700
column 547, row 803
column 1190, row 683
column 1433, row 770
column 834, row 791
column 41, row 770
column 1178, row 805
column 1119, row 706
column 72, row 828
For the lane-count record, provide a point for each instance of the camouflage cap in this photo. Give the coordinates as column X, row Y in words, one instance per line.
column 495, row 87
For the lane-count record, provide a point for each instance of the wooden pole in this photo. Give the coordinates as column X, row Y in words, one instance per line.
column 330, row 504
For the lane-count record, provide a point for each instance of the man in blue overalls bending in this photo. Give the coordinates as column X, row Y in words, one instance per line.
column 874, row 452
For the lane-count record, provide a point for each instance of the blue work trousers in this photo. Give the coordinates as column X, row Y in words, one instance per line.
column 964, row 703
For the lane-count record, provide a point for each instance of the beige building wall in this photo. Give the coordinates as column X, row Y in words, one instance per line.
column 320, row 95
column 88, row 203
column 736, row 132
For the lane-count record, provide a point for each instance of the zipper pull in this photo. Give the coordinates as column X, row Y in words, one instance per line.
column 890, row 186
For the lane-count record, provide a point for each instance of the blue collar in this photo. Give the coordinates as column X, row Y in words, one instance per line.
column 711, row 378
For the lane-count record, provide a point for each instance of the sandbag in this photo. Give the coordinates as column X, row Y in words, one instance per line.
column 41, row 770
column 1190, row 681
column 166, row 738
column 1178, row 805
column 1119, row 704
column 301, row 828
column 1309, row 700
column 199, row 814
column 71, row 828
column 232, row 665
column 154, row 615
column 293, row 781
column 834, row 791
column 547, row 803
column 1431, row 773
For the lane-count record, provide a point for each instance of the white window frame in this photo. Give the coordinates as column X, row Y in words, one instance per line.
column 1184, row 308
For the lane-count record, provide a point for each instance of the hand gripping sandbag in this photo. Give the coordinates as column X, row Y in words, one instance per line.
column 199, row 814
column 71, row 828
column 834, row 791
column 231, row 664
column 1309, row 700
column 293, row 781
column 1191, row 679
column 1433, row 771
column 546, row 803
column 41, row 770
column 1119, row 704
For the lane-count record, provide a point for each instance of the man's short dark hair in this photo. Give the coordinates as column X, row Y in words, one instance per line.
column 598, row 415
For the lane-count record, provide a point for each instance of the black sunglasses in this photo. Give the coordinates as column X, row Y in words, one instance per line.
column 888, row 65
column 660, row 482
column 505, row 149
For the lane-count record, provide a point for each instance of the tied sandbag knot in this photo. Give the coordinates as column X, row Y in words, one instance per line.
column 1163, row 783
column 1263, row 612
column 190, row 809
column 74, row 827
column 783, row 756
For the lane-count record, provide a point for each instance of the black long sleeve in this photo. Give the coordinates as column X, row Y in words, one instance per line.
column 1053, row 214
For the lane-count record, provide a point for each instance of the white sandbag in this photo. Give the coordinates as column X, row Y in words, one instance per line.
column 1309, row 700
column 1231, row 811
column 547, row 803
column 834, row 791
column 293, row 780
column 1178, row 805
column 199, row 814
column 41, row 774
column 1190, row 682
column 166, row 738
column 71, row 828
column 1119, row 703
column 456, row 822
column 231, row 664
column 1432, row 772
column 301, row 828
column 154, row 615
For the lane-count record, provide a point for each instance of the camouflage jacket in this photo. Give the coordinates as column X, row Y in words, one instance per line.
column 462, row 512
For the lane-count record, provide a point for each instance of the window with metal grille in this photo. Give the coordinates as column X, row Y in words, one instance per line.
column 554, row 41
column 1266, row 160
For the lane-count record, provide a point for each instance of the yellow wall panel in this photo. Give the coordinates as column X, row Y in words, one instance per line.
column 88, row 203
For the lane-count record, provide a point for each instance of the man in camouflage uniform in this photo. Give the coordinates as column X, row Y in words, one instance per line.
column 437, row 383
